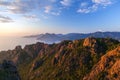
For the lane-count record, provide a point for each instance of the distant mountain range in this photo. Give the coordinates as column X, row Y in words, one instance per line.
column 53, row 38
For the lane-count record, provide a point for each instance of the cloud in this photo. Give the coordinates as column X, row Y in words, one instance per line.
column 56, row 13
column 30, row 16
column 53, row 10
column 102, row 2
column 87, row 9
column 18, row 7
column 48, row 9
column 66, row 2
column 5, row 19
column 52, row 6
column 93, row 5
column 25, row 6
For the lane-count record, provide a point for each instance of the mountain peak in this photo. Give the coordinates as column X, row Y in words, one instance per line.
column 89, row 58
column 52, row 37
column 90, row 42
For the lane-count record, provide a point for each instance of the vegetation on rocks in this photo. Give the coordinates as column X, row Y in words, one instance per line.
column 68, row 60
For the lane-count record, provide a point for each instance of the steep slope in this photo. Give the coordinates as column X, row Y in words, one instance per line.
column 108, row 68
column 8, row 71
column 67, row 60
column 19, row 55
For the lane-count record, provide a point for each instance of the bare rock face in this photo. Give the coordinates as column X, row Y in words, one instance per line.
column 34, row 49
column 91, row 43
column 85, row 59
column 115, row 71
column 107, row 68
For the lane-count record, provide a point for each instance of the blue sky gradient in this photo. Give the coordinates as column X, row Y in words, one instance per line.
column 22, row 17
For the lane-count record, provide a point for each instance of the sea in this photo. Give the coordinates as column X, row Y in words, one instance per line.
column 9, row 43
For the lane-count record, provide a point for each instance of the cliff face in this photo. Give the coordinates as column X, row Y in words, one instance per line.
column 90, row 42
column 107, row 68
column 90, row 58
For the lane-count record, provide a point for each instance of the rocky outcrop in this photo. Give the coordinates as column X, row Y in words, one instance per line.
column 34, row 49
column 91, row 43
column 19, row 55
column 86, row 58
column 107, row 68
column 18, row 48
column 115, row 71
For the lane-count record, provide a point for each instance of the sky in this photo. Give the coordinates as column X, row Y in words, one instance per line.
column 26, row 17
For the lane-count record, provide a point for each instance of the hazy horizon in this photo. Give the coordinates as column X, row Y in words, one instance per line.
column 20, row 35
column 29, row 17
column 59, row 39
column 20, row 18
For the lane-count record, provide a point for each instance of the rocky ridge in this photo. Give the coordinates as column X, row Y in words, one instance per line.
column 67, row 60
column 108, row 68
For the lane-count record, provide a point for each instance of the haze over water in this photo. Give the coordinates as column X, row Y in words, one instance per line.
column 21, row 17
column 7, row 43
